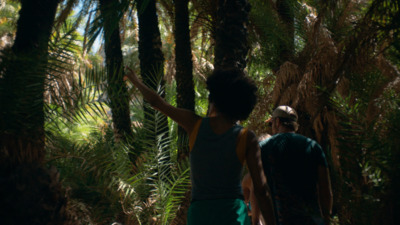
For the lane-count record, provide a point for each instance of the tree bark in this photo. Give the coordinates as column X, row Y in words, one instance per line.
column 184, row 66
column 151, row 65
column 150, row 54
column 29, row 192
column 231, row 46
column 116, row 90
column 286, row 45
column 22, row 87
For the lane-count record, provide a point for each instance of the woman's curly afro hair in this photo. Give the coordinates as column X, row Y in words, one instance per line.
column 232, row 92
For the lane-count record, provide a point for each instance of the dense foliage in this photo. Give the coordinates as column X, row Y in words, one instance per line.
column 106, row 158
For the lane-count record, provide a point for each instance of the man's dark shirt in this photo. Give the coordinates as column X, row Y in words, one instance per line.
column 291, row 163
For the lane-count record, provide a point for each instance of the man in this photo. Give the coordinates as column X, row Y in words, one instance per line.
column 297, row 173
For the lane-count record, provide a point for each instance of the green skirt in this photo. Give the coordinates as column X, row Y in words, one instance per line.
column 218, row 211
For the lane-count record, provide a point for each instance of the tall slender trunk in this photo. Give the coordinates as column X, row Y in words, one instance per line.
column 150, row 54
column 29, row 192
column 286, row 45
column 184, row 88
column 231, row 34
column 22, row 87
column 184, row 67
column 117, row 90
column 151, row 66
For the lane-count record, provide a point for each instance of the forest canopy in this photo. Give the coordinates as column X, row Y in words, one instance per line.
column 79, row 145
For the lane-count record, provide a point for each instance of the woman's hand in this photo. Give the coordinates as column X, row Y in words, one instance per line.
column 185, row 118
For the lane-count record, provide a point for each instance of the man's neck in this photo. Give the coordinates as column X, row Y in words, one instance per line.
column 284, row 130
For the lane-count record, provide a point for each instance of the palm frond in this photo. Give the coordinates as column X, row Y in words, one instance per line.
column 75, row 95
column 96, row 170
column 170, row 193
column 77, row 98
column 116, row 9
column 367, row 154
column 265, row 32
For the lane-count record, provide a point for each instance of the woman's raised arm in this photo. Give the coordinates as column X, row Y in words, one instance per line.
column 185, row 118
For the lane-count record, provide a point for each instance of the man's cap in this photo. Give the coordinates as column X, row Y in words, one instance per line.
column 284, row 112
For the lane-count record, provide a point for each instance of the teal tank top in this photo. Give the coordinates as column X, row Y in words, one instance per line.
column 215, row 167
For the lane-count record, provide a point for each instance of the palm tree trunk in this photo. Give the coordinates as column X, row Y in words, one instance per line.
column 231, row 34
column 150, row 54
column 184, row 88
column 29, row 192
column 117, row 90
column 22, row 87
column 286, row 45
column 184, row 67
column 151, row 66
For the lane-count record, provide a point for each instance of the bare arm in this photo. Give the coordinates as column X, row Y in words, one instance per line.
column 185, row 118
column 325, row 193
column 246, row 187
column 248, row 193
column 255, row 210
column 260, row 186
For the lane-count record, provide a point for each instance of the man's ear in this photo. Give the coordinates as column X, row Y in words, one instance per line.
column 212, row 111
column 277, row 122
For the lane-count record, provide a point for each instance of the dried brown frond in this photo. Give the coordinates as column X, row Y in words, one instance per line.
column 343, row 86
column 308, row 99
column 263, row 108
column 391, row 76
column 289, row 96
column 319, row 70
column 327, row 63
column 287, row 75
column 332, row 126
column 380, row 106
column 322, row 65
column 348, row 9
column 387, row 69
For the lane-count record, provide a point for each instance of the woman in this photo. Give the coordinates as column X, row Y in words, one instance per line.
column 216, row 158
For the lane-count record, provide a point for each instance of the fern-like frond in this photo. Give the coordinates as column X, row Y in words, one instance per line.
column 96, row 170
